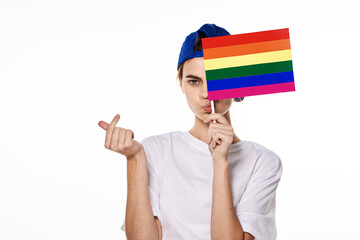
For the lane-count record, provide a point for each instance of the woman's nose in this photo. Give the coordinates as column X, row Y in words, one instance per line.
column 204, row 92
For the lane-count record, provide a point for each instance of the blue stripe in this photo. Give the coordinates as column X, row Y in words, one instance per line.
column 250, row 81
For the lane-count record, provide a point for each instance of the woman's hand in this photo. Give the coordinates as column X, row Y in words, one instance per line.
column 119, row 139
column 220, row 136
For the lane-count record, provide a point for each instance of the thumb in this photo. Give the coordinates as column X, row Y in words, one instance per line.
column 103, row 125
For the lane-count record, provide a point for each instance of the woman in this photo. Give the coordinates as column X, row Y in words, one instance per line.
column 205, row 183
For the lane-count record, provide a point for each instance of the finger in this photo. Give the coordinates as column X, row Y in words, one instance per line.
column 222, row 137
column 215, row 140
column 121, row 141
column 216, row 116
column 103, row 125
column 132, row 133
column 216, row 132
column 221, row 126
column 115, row 139
column 213, row 144
column 219, row 137
column 213, row 129
column 128, row 138
column 110, row 130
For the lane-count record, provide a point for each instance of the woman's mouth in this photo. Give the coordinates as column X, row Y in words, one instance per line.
column 207, row 108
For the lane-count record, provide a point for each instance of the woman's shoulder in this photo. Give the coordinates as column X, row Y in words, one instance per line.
column 158, row 146
column 259, row 149
column 265, row 157
column 161, row 138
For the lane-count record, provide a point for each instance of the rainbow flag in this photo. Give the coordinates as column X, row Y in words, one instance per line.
column 248, row 64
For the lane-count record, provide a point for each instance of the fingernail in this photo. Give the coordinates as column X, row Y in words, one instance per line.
column 117, row 115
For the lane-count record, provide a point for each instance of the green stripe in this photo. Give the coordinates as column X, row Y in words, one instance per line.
column 249, row 70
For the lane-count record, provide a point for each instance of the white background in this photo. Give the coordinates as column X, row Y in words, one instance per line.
column 66, row 65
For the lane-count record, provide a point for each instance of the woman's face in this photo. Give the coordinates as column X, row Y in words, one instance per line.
column 194, row 87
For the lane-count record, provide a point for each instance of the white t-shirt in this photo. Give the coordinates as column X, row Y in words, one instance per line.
column 180, row 170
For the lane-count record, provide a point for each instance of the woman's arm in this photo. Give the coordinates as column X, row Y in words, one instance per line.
column 224, row 221
column 140, row 222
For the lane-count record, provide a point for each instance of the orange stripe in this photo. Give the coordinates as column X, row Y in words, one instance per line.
column 244, row 49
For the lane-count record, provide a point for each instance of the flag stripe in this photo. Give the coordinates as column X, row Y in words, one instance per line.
column 250, row 81
column 251, row 91
column 244, row 49
column 228, row 40
column 244, row 60
column 243, row 71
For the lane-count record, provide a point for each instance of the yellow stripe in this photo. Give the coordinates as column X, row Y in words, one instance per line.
column 250, row 59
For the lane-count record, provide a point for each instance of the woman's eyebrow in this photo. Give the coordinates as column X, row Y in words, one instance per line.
column 193, row 76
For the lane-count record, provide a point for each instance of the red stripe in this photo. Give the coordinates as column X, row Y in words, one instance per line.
column 229, row 40
column 251, row 91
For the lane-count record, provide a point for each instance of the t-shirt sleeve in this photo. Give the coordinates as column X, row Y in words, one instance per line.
column 256, row 209
column 152, row 156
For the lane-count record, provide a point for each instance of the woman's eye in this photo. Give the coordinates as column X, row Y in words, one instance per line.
column 191, row 82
